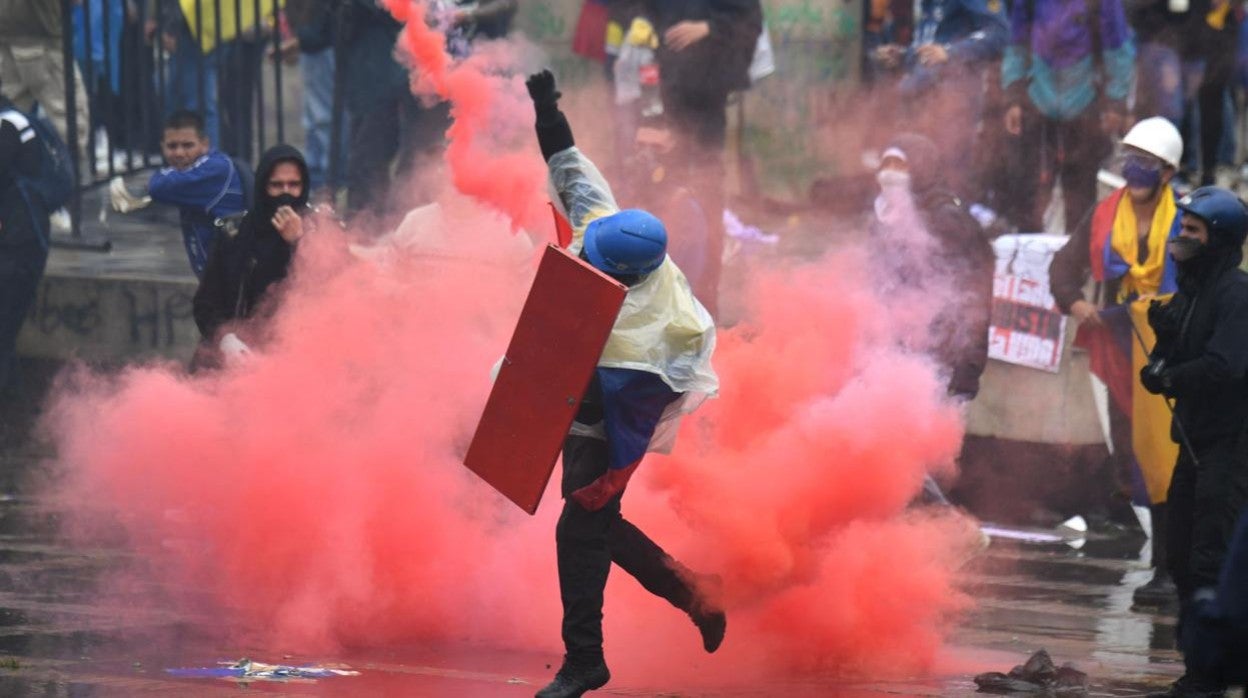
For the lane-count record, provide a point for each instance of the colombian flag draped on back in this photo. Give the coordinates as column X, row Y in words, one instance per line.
column 236, row 16
column 1114, row 352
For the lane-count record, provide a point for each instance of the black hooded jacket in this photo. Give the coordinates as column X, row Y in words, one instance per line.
column 719, row 63
column 1202, row 335
column 964, row 257
column 243, row 266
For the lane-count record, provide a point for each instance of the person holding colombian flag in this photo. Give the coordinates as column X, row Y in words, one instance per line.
column 1123, row 247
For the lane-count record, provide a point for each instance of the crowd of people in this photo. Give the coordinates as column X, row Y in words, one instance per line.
column 970, row 101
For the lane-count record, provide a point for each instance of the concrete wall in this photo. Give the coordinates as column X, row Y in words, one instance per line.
column 103, row 319
column 817, row 45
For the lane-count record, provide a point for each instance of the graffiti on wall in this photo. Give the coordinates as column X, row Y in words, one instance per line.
column 108, row 319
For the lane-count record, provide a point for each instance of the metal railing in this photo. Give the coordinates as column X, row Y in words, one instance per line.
column 132, row 76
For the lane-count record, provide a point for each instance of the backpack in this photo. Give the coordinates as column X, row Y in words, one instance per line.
column 53, row 183
column 248, row 181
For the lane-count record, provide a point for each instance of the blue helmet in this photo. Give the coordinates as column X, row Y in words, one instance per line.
column 629, row 243
column 1222, row 212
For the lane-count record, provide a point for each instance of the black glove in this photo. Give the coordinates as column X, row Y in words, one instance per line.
column 1155, row 377
column 554, row 135
column 1166, row 319
column 543, row 92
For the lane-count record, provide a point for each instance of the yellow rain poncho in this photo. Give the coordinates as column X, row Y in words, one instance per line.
column 662, row 328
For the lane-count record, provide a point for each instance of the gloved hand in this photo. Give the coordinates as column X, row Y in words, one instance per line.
column 1164, row 318
column 596, row 494
column 1155, row 377
column 542, row 90
column 121, row 198
column 554, row 135
column 233, row 348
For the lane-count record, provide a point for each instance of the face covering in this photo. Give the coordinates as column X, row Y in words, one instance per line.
column 892, row 180
column 284, row 199
column 894, row 203
column 1185, row 249
column 1141, row 174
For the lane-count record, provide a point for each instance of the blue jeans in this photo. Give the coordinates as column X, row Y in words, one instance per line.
column 182, row 76
column 318, row 115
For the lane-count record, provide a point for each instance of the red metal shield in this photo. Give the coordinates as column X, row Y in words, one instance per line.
column 565, row 323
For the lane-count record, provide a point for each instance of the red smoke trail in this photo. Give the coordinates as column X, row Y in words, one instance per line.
column 511, row 182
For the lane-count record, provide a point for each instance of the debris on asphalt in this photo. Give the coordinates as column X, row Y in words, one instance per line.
column 248, row 670
column 1039, row 676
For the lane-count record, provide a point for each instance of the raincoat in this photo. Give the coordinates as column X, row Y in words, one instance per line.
column 662, row 341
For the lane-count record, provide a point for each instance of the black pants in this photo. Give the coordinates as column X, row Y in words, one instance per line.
column 1071, row 150
column 21, row 269
column 398, row 127
column 589, row 541
column 241, row 64
column 1205, row 502
column 1219, row 71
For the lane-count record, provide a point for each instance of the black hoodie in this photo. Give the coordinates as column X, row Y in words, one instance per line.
column 242, row 267
column 1203, row 337
column 965, row 258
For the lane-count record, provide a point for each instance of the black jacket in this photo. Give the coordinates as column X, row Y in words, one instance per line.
column 719, row 63
column 964, row 262
column 23, row 222
column 1203, row 337
column 243, row 266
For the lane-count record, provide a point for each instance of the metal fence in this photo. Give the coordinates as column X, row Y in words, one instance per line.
column 140, row 60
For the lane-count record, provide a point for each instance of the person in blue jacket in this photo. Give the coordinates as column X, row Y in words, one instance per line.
column 205, row 184
column 654, row 368
column 954, row 41
column 1066, row 74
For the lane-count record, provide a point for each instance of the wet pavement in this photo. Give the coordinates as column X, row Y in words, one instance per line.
column 58, row 639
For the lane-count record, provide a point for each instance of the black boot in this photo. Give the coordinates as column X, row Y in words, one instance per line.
column 711, row 623
column 1159, row 592
column 573, row 680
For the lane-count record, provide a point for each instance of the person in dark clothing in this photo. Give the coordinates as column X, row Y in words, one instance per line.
column 1215, row 638
column 704, row 55
column 387, row 122
column 954, row 255
column 1201, row 362
column 244, row 266
column 632, row 405
column 931, row 246
column 1211, row 35
column 24, row 229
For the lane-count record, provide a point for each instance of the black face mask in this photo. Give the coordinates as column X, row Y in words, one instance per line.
column 283, row 199
column 1186, row 249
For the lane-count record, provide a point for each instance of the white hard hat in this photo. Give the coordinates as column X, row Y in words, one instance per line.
column 1157, row 136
